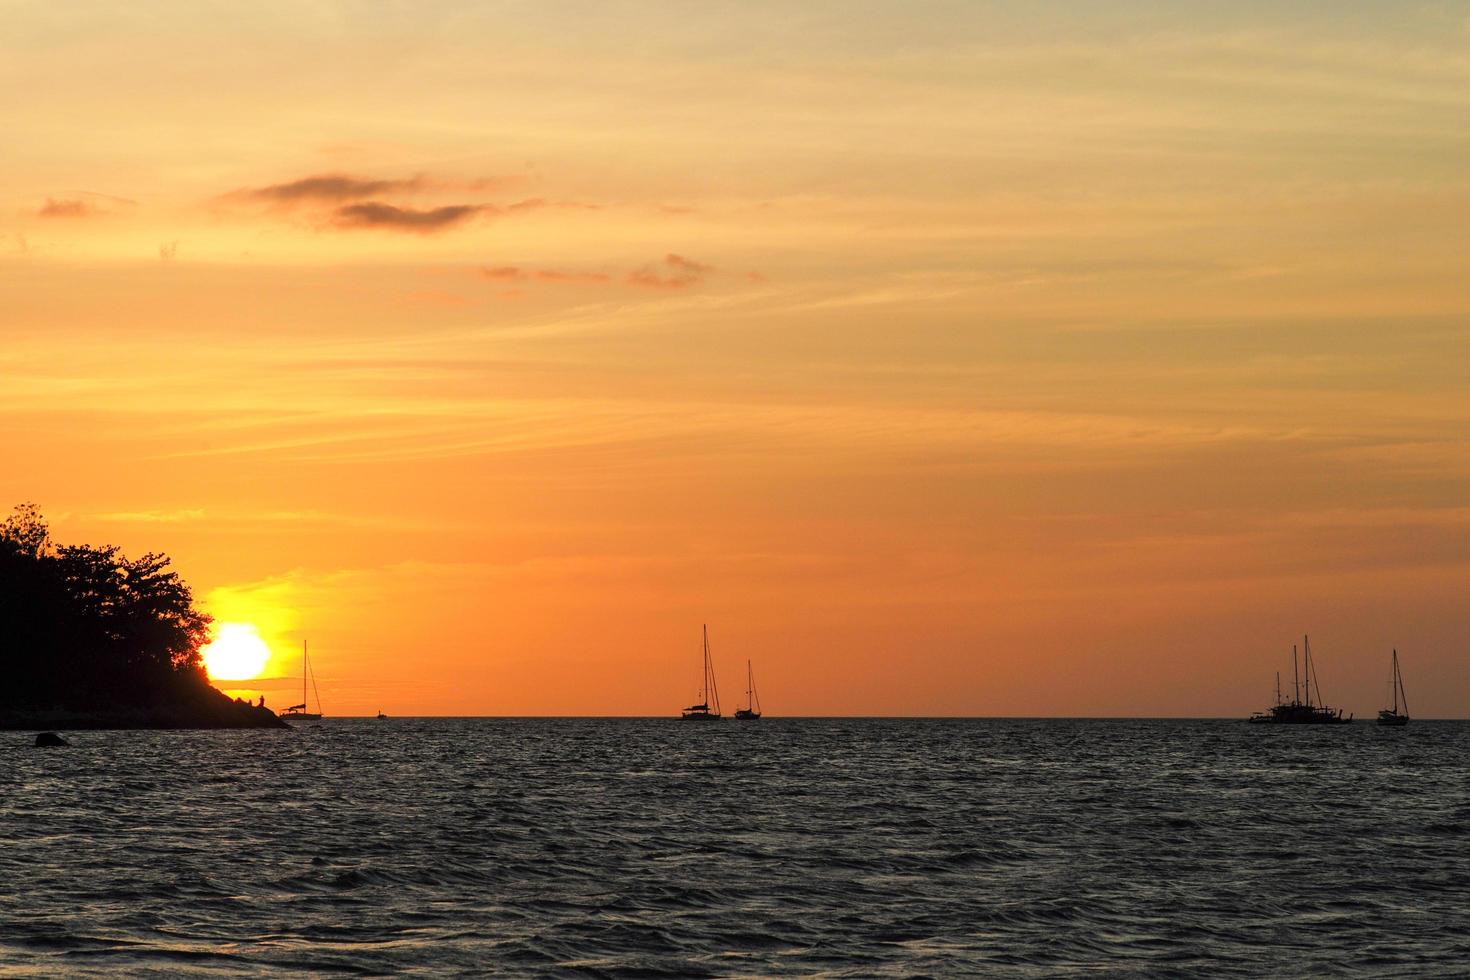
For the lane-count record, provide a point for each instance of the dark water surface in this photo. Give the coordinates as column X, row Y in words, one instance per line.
column 648, row 847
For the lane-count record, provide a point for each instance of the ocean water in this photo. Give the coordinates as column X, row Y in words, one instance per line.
column 785, row 847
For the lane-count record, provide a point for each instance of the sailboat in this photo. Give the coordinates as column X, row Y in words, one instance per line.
column 752, row 709
column 710, row 691
column 1296, row 711
column 1391, row 716
column 298, row 712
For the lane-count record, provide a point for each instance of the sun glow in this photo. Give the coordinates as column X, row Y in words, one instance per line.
column 237, row 653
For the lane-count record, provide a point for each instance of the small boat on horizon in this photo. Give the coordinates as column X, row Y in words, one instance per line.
column 752, row 709
column 1296, row 711
column 1392, row 716
column 382, row 717
column 709, row 691
column 298, row 712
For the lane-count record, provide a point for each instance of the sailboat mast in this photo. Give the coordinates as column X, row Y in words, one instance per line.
column 1398, row 677
column 709, row 667
column 1296, row 684
column 1307, row 665
column 303, row 675
column 1393, row 681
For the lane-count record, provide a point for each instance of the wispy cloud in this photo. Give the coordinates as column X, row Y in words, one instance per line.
column 152, row 516
column 83, row 204
column 246, row 519
column 560, row 275
column 68, row 208
column 511, row 273
column 674, row 272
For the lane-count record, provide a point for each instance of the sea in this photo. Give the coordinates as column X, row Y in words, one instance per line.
column 784, row 847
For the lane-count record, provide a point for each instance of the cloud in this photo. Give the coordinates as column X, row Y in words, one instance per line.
column 559, row 275
column 675, row 272
column 152, row 516
column 84, row 204
column 67, row 208
column 389, row 217
column 340, row 188
column 529, row 204
column 437, row 298
column 539, row 203
column 511, row 273
column 350, row 201
column 328, row 188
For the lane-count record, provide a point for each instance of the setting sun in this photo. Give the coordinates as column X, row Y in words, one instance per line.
column 237, row 653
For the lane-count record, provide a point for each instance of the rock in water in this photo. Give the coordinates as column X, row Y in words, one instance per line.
column 47, row 739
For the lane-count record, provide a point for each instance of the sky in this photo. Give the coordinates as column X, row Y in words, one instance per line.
column 944, row 358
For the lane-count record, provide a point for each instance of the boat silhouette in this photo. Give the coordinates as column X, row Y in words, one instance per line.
column 1296, row 711
column 708, row 708
column 752, row 709
column 298, row 712
column 1392, row 716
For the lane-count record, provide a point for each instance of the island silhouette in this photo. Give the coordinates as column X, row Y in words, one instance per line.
column 90, row 638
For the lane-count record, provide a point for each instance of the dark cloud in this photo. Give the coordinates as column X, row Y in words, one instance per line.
column 338, row 188
column 674, row 272
column 351, row 202
column 328, row 188
column 388, row 217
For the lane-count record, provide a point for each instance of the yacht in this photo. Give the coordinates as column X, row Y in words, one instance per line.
column 752, row 709
column 708, row 708
column 1392, row 716
column 1296, row 711
column 298, row 712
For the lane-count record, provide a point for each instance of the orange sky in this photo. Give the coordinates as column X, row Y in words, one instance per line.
column 946, row 358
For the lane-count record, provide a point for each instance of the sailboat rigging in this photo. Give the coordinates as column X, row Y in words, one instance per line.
column 752, row 709
column 708, row 708
column 1392, row 716
column 298, row 712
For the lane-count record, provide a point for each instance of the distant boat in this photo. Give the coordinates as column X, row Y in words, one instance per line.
column 1296, row 711
column 709, row 691
column 298, row 712
column 382, row 717
column 752, row 709
column 1391, row 716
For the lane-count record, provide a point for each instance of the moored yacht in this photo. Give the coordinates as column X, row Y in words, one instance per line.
column 708, row 708
column 1296, row 711
column 752, row 709
column 298, row 712
column 1392, row 716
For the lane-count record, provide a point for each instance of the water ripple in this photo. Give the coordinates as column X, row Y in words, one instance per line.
column 652, row 848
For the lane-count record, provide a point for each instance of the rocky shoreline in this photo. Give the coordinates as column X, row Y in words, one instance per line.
column 212, row 710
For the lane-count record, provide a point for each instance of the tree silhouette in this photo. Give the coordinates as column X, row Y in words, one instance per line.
column 87, row 628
